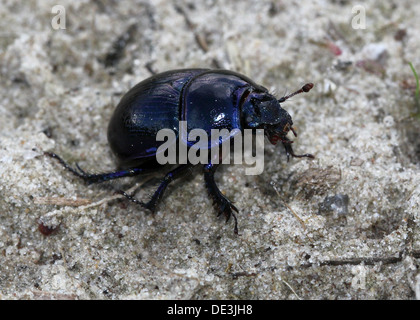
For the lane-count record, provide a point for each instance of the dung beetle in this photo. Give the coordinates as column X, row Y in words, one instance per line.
column 205, row 99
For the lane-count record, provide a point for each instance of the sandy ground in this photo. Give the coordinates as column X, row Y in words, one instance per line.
column 343, row 226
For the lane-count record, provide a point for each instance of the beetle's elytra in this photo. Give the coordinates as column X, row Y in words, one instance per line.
column 165, row 99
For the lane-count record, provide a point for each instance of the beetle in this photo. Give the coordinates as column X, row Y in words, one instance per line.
column 165, row 99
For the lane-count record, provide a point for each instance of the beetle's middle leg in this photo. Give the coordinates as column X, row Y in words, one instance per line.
column 223, row 204
column 169, row 177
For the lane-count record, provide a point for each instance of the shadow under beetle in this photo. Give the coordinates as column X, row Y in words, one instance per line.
column 164, row 99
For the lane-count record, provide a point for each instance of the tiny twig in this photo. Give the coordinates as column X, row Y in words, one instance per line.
column 62, row 201
column 290, row 287
column 83, row 203
column 294, row 213
column 199, row 38
column 365, row 260
column 417, row 94
column 117, row 196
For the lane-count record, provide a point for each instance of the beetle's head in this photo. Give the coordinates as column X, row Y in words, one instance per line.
column 263, row 111
column 278, row 132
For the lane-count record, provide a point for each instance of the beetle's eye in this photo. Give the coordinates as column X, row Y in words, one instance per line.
column 286, row 128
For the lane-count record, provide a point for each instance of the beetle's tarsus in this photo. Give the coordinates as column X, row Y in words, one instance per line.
column 290, row 152
column 223, row 205
column 306, row 155
column 84, row 174
column 80, row 174
column 150, row 205
column 130, row 197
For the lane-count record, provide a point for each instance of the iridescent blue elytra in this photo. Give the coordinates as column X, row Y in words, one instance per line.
column 206, row 99
column 203, row 98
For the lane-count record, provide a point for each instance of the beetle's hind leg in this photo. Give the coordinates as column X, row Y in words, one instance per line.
column 100, row 177
column 223, row 204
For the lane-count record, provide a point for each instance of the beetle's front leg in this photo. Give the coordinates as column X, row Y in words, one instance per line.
column 223, row 204
column 287, row 143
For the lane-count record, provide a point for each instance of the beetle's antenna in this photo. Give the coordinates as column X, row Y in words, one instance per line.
column 305, row 88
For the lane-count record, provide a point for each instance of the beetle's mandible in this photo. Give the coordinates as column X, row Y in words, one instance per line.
column 165, row 99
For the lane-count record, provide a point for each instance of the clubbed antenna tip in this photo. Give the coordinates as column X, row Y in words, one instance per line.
column 305, row 88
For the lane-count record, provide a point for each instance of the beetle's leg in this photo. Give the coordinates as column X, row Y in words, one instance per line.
column 100, row 177
column 169, row 177
column 131, row 198
column 223, row 204
column 289, row 151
